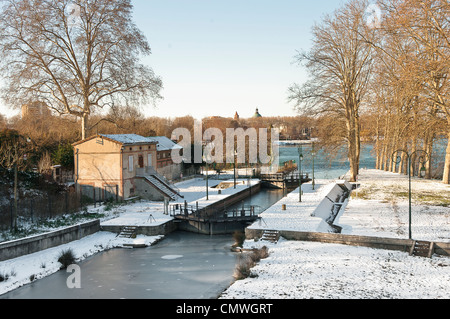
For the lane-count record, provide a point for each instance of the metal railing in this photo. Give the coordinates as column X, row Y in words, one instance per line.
column 206, row 214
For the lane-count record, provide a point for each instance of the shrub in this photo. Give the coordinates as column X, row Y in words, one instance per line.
column 262, row 253
column 66, row 258
column 4, row 276
column 243, row 267
column 239, row 238
column 248, row 261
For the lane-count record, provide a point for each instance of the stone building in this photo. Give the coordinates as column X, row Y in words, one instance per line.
column 120, row 167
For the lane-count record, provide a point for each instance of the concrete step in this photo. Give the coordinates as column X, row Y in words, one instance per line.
column 271, row 236
column 422, row 249
column 128, row 232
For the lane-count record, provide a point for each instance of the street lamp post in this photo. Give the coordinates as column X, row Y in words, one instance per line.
column 207, row 192
column 423, row 158
column 300, row 157
column 313, row 154
column 234, row 167
column 207, row 157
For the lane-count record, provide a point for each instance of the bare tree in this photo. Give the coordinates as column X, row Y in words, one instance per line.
column 77, row 56
column 14, row 151
column 422, row 26
column 339, row 64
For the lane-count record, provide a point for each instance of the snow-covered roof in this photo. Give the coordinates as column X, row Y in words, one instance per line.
column 129, row 139
column 164, row 143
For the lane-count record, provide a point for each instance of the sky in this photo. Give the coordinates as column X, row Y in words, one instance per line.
column 219, row 57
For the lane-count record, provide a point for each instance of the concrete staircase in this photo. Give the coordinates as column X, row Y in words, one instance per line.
column 128, row 232
column 422, row 249
column 162, row 186
column 271, row 236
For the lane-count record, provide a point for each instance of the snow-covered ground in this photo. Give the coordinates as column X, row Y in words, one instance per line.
column 318, row 270
column 304, row 270
column 380, row 208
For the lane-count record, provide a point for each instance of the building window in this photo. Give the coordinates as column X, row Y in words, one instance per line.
column 130, row 163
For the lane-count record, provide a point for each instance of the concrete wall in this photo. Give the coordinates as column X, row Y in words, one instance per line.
column 17, row 248
column 352, row 240
column 156, row 230
column 212, row 228
column 145, row 190
column 233, row 199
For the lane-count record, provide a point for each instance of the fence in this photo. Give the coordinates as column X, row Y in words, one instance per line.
column 32, row 210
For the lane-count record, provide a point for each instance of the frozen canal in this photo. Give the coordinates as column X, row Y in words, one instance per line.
column 182, row 266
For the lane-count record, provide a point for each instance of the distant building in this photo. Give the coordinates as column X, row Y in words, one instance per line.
column 257, row 115
column 164, row 163
column 35, row 110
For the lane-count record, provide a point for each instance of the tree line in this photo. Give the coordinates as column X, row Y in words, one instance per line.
column 46, row 139
column 389, row 61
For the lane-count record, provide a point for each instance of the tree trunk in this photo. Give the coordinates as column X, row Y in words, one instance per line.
column 428, row 145
column 357, row 142
column 16, row 181
column 352, row 150
column 84, row 126
column 446, row 177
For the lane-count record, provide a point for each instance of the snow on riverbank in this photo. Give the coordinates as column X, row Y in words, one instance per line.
column 330, row 271
column 23, row 270
column 304, row 270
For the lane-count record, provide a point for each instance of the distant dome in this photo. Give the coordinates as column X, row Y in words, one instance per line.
column 257, row 114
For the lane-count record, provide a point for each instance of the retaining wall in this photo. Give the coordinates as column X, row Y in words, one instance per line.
column 29, row 245
column 234, row 198
column 163, row 229
column 352, row 240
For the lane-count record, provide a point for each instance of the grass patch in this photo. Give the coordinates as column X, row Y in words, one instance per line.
column 391, row 193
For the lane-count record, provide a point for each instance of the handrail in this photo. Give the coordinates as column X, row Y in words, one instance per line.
column 197, row 212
